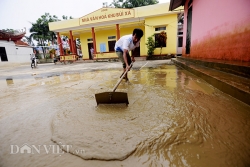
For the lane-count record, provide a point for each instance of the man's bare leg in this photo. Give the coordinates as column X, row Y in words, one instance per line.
column 126, row 75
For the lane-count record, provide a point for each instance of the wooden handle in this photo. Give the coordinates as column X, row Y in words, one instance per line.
column 121, row 78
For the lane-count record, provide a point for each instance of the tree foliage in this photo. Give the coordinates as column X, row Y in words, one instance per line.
column 132, row 3
column 150, row 45
column 40, row 30
column 8, row 30
column 28, row 39
column 66, row 17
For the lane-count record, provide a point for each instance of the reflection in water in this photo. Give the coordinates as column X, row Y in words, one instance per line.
column 187, row 81
column 9, row 81
column 173, row 119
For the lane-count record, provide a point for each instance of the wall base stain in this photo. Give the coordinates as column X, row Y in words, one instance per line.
column 233, row 45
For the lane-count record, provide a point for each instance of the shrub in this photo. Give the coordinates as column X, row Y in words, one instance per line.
column 150, row 45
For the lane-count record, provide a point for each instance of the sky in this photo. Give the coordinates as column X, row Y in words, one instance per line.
column 17, row 14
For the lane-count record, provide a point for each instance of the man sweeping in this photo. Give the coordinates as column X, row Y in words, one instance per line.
column 124, row 45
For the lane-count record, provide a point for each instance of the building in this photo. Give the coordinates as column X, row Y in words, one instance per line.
column 215, row 29
column 102, row 28
column 15, row 51
column 12, row 49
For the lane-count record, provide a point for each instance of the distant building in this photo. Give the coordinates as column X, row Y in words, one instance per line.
column 15, row 52
column 12, row 49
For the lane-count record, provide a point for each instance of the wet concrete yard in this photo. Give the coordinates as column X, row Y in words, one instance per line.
column 174, row 118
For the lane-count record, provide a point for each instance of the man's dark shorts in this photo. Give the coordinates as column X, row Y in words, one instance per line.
column 120, row 55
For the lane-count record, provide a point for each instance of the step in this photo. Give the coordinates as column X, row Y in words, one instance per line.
column 233, row 85
column 141, row 58
column 233, row 67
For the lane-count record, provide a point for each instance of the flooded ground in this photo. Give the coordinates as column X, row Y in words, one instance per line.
column 173, row 119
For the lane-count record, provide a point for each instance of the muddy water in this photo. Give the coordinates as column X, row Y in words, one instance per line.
column 173, row 119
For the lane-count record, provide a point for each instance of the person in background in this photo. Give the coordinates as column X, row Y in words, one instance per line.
column 92, row 52
column 33, row 58
column 124, row 45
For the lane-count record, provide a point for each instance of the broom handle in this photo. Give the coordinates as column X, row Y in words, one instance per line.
column 121, row 78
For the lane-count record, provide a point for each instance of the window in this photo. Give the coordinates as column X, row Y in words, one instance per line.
column 102, row 47
column 160, row 28
column 111, row 43
column 111, row 37
column 90, row 39
column 180, row 33
column 159, row 40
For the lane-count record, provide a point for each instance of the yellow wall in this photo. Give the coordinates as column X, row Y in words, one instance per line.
column 102, row 37
column 170, row 21
column 84, row 44
column 151, row 10
column 101, row 34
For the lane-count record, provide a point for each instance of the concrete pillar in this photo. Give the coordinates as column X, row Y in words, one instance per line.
column 94, row 41
column 59, row 41
column 117, row 32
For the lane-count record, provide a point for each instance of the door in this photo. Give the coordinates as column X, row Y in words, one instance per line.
column 136, row 52
column 3, row 54
column 111, row 46
column 179, row 48
column 189, row 29
column 89, row 47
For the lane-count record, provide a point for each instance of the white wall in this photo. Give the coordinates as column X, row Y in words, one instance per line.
column 16, row 54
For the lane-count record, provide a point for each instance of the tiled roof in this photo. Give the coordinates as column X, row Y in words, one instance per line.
column 19, row 42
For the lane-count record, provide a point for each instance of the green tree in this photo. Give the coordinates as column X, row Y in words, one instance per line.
column 40, row 30
column 150, row 45
column 28, row 39
column 9, row 30
column 132, row 3
column 66, row 17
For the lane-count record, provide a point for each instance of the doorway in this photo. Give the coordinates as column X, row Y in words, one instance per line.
column 111, row 46
column 89, row 47
column 189, row 29
column 3, row 54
